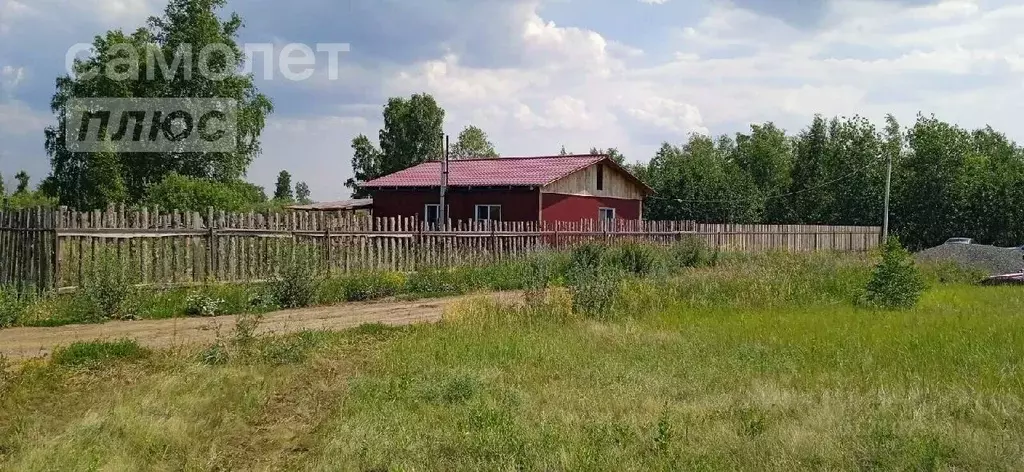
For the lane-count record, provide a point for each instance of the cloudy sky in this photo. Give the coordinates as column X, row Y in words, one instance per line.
column 539, row 74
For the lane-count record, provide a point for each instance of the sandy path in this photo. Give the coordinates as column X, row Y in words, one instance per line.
column 25, row 343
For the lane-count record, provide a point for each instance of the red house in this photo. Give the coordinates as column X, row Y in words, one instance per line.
column 551, row 188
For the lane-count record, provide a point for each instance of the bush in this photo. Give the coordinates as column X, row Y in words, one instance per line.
column 299, row 281
column 635, row 258
column 12, row 307
column 896, row 283
column 594, row 289
column 586, row 257
column 692, row 252
column 107, row 291
column 200, row 304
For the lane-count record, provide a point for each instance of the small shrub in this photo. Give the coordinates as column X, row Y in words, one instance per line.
column 586, row 257
column 538, row 274
column 635, row 258
column 108, row 289
column 12, row 307
column 692, row 252
column 299, row 280
column 896, row 283
column 200, row 304
column 594, row 290
column 245, row 328
column 80, row 307
column 257, row 299
column 216, row 354
column 90, row 354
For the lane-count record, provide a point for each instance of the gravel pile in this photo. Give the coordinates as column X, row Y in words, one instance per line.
column 990, row 259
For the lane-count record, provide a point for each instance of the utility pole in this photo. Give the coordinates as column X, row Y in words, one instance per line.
column 888, row 186
column 442, row 215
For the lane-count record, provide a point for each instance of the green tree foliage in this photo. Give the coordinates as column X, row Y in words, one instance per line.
column 283, row 187
column 947, row 181
column 23, row 196
column 197, row 194
column 766, row 157
column 365, row 163
column 472, row 143
column 933, row 195
column 302, row 193
column 810, row 193
column 412, row 134
column 613, row 153
column 23, row 180
column 102, row 180
column 132, row 65
column 700, row 181
column 3, row 189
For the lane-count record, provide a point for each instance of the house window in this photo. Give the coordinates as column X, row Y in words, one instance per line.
column 431, row 213
column 600, row 177
column 606, row 214
column 488, row 212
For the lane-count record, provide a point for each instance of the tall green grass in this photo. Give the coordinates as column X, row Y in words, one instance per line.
column 757, row 363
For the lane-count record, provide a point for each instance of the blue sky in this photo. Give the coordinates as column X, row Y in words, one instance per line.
column 539, row 74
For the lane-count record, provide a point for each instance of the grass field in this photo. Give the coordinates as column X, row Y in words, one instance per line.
column 761, row 364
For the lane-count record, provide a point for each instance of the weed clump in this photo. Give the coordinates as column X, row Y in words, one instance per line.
column 586, row 257
column 692, row 252
column 299, row 281
column 441, row 281
column 635, row 258
column 896, row 283
column 95, row 353
column 370, row 286
column 12, row 307
column 107, row 294
column 201, row 304
column 593, row 285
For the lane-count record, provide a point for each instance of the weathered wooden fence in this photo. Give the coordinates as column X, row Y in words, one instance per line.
column 56, row 249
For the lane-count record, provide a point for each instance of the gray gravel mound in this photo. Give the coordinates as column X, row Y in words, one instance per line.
column 990, row 259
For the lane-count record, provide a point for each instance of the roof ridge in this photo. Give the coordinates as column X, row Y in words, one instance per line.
column 510, row 158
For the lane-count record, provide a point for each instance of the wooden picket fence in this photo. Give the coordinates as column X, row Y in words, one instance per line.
column 57, row 249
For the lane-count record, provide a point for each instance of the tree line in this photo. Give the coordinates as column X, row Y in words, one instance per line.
column 947, row 181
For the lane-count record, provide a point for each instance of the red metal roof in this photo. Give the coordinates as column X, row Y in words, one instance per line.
column 497, row 172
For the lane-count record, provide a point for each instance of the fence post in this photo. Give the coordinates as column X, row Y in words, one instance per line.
column 494, row 242
column 417, row 252
column 57, row 220
column 327, row 249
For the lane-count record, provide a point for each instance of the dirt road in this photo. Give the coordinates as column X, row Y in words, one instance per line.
column 25, row 343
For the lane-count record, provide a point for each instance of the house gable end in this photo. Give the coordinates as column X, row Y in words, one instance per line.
column 616, row 183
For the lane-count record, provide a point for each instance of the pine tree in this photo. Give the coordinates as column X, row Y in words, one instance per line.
column 896, row 283
column 283, row 188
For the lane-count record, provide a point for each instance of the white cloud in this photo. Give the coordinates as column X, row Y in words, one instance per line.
column 10, row 78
